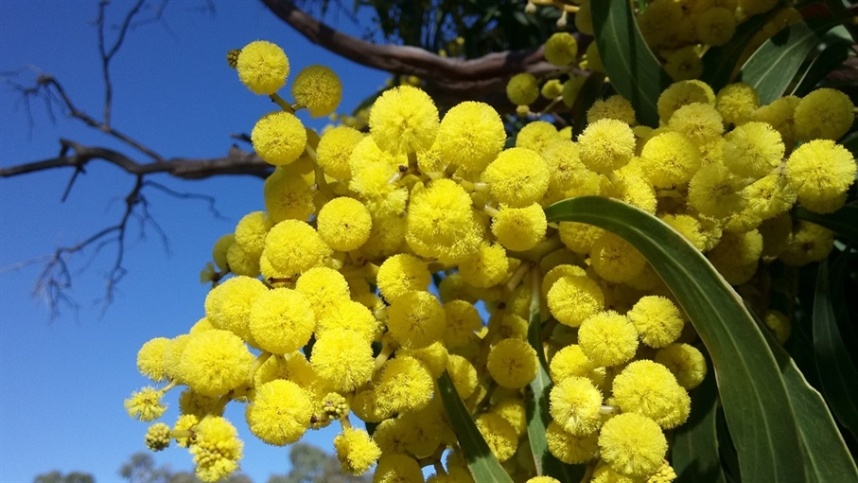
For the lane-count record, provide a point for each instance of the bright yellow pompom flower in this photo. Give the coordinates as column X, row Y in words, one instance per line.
column 356, row 450
column 343, row 359
column 607, row 145
column 318, row 88
column 293, row 247
column 633, row 445
column 279, row 138
column 416, row 319
column 522, row 89
column 575, row 404
column 657, row 320
column 279, row 412
column 669, row 159
column 215, row 362
column 150, row 358
column 471, row 135
column 823, row 114
column 441, row 222
column 561, row 49
column 499, row 434
column 650, row 389
column 520, row 229
column 262, row 66
column 569, row 448
column 820, row 172
column 216, row 448
column 404, row 120
column 401, row 274
column 572, row 299
column 512, row 363
column 406, row 385
column 344, row 223
column 335, row 148
column 608, row 338
column 518, row 177
column 281, row 321
column 686, row 362
column 228, row 305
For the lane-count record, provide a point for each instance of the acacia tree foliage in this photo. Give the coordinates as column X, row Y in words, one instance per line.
column 778, row 424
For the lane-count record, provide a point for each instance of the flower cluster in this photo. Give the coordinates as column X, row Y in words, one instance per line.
column 679, row 32
column 384, row 258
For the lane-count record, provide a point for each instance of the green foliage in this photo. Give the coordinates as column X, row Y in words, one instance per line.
column 633, row 69
column 481, row 462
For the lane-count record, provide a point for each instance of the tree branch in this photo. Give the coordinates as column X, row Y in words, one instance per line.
column 77, row 156
column 456, row 78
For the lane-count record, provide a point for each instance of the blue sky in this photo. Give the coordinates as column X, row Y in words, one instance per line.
column 62, row 381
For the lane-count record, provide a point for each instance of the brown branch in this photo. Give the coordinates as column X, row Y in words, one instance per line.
column 77, row 156
column 465, row 78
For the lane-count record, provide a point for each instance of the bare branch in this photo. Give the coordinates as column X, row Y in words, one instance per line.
column 457, row 78
column 77, row 156
column 107, row 53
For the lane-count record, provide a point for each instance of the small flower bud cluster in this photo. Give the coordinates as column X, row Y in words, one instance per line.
column 359, row 284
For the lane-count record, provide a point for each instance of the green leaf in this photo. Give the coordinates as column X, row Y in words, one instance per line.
column 837, row 374
column 826, row 453
column 585, row 99
column 841, row 222
column 753, row 393
column 833, row 55
column 633, row 69
column 719, row 63
column 481, row 462
column 695, row 444
column 537, row 403
column 771, row 69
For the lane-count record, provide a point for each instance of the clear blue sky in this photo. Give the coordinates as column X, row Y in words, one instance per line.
column 62, row 382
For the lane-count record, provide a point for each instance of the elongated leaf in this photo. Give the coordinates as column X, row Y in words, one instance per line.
column 719, row 63
column 481, row 462
column 833, row 55
column 695, row 444
column 631, row 66
column 774, row 65
column 841, row 222
column 828, row 458
column 752, row 390
column 837, row 374
column 537, row 404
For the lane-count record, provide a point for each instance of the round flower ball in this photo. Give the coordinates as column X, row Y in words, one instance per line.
column 633, row 445
column 344, row 223
column 279, row 412
column 608, row 338
column 279, row 138
column 575, row 404
column 523, row 89
column 512, row 363
column 820, row 172
column 823, row 114
column 561, row 49
column 518, row 177
column 404, row 120
column 318, row 88
column 281, row 320
column 262, row 66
